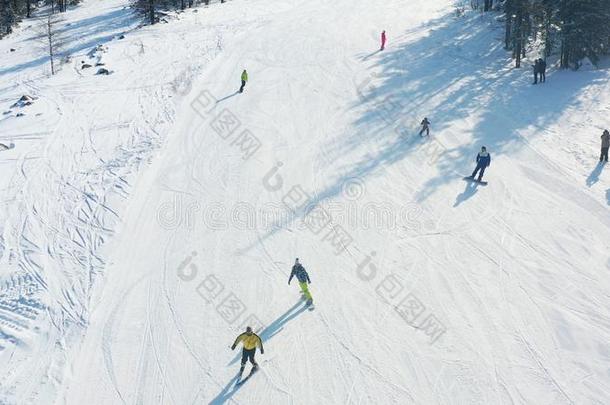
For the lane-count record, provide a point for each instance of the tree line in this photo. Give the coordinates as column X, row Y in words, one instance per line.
column 14, row 11
column 150, row 9
column 573, row 29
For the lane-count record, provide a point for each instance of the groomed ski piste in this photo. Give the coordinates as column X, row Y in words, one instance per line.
column 149, row 215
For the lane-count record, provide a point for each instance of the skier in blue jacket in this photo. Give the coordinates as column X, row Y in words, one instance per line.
column 483, row 162
column 301, row 274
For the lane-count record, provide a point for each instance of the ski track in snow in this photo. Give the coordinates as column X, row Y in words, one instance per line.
column 93, row 308
column 71, row 179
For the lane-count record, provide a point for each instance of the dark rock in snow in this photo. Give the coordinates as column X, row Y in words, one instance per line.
column 85, row 66
column 19, row 114
column 97, row 50
column 23, row 101
column 121, row 37
column 12, row 49
column 103, row 71
column 100, row 64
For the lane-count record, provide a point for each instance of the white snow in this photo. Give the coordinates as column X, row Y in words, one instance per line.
column 149, row 215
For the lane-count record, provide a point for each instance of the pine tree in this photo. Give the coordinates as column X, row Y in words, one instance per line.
column 7, row 17
column 581, row 27
column 585, row 30
column 147, row 8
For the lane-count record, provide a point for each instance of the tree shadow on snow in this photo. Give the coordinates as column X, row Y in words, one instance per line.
column 456, row 71
column 100, row 30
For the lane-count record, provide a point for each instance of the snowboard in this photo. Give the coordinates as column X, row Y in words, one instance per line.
column 468, row 178
column 308, row 304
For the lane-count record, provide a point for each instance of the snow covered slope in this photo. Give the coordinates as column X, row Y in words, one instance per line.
column 427, row 289
column 78, row 148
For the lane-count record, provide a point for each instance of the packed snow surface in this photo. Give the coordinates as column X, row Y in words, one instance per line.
column 150, row 214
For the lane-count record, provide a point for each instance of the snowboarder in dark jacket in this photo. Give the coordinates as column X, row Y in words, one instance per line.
column 301, row 274
column 542, row 70
column 536, row 67
column 605, row 146
column 249, row 341
column 425, row 126
column 483, row 161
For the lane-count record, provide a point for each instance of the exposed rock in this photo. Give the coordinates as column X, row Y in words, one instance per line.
column 23, row 101
column 97, row 50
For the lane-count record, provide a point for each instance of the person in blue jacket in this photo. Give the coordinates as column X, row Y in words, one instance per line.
column 301, row 274
column 483, row 162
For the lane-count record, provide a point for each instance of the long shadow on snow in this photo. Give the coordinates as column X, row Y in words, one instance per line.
column 470, row 190
column 276, row 326
column 227, row 97
column 227, row 392
column 121, row 18
column 445, row 76
column 594, row 176
column 273, row 329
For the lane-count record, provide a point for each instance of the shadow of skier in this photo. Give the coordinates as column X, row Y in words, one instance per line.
column 227, row 392
column 276, row 326
column 471, row 189
column 594, row 176
column 363, row 58
column 227, row 97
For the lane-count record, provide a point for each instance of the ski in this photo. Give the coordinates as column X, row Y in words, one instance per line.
column 252, row 372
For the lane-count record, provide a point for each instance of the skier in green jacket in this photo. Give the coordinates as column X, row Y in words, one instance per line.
column 244, row 79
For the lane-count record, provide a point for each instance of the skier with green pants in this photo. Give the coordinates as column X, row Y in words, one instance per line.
column 244, row 80
column 300, row 273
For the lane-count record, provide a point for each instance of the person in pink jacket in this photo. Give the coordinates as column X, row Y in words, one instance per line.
column 383, row 39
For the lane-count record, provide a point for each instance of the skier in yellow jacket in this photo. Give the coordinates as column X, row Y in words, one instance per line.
column 249, row 340
column 244, row 80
